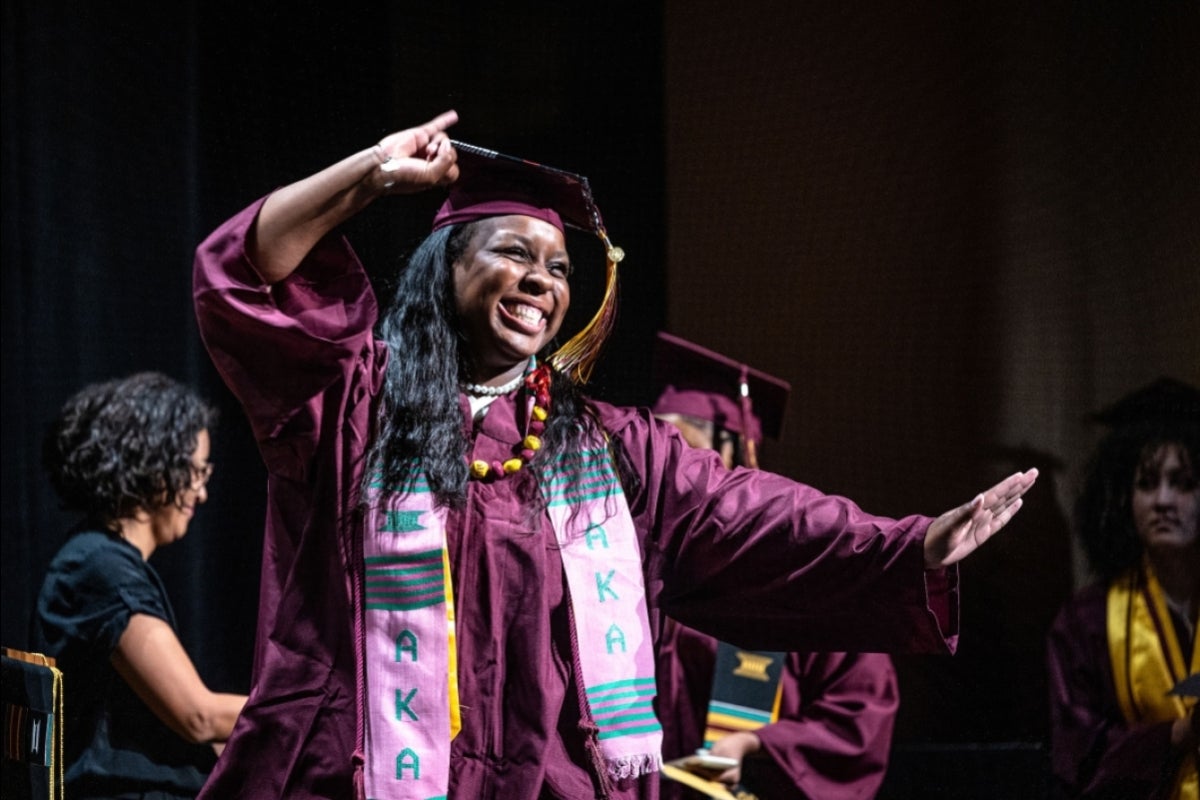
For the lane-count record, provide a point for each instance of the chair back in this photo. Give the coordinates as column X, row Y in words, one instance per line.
column 32, row 726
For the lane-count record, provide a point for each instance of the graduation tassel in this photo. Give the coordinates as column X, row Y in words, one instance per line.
column 577, row 358
column 749, row 448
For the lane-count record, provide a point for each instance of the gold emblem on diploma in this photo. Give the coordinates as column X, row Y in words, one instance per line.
column 753, row 666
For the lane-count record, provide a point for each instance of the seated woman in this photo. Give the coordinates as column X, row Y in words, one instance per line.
column 464, row 551
column 1119, row 649
column 131, row 457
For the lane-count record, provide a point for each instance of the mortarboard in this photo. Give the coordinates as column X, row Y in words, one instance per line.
column 1165, row 400
column 492, row 184
column 696, row 382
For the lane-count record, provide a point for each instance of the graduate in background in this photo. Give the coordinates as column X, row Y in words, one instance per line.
column 1122, row 648
column 795, row 724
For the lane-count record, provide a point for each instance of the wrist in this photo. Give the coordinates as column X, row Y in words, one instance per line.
column 382, row 160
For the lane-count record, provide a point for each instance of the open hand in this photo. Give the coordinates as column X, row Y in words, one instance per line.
column 419, row 158
column 960, row 531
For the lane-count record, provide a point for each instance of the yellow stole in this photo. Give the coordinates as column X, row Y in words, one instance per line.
column 1147, row 661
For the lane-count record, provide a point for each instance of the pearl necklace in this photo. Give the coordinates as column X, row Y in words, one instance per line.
column 479, row 390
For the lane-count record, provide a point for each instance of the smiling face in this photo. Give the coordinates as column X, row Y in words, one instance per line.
column 1166, row 500
column 511, row 293
column 170, row 523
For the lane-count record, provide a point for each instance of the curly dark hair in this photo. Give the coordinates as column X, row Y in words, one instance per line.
column 1104, row 510
column 421, row 426
column 125, row 445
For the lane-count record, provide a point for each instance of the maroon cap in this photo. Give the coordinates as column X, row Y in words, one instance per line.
column 492, row 184
column 697, row 382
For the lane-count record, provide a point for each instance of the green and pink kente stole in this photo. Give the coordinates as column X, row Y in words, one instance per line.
column 411, row 693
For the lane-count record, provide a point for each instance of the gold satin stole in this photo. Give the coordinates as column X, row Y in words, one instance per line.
column 1148, row 661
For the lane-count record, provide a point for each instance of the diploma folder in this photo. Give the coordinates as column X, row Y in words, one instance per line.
column 1188, row 687
column 699, row 771
column 676, row 771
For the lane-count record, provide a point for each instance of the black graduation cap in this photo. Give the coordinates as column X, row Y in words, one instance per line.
column 1165, row 400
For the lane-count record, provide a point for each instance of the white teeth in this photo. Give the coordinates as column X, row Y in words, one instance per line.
column 526, row 314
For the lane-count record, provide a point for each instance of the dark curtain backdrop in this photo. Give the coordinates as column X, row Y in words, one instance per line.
column 132, row 130
column 955, row 228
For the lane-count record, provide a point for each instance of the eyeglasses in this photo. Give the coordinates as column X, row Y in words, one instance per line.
column 201, row 474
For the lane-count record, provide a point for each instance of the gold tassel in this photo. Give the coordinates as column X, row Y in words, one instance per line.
column 577, row 358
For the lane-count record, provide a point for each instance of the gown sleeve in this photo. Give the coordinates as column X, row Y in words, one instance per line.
column 763, row 562
column 1094, row 752
column 301, row 358
column 279, row 347
column 836, row 718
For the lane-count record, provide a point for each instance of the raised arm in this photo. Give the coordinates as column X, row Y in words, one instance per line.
column 151, row 659
column 296, row 217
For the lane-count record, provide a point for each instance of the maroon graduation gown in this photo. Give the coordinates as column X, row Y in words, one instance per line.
column 1094, row 752
column 301, row 357
column 836, row 717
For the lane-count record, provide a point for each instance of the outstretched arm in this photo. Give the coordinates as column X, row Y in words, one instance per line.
column 960, row 531
column 296, row 217
column 151, row 659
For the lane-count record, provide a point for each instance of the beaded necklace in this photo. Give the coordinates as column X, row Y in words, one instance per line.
column 537, row 385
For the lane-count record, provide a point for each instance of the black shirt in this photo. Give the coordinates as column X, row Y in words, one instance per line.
column 114, row 744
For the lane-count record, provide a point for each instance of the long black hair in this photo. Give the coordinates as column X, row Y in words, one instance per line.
column 1104, row 510
column 125, row 445
column 420, row 427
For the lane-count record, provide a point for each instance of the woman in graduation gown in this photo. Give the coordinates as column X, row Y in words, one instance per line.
column 1119, row 649
column 462, row 551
